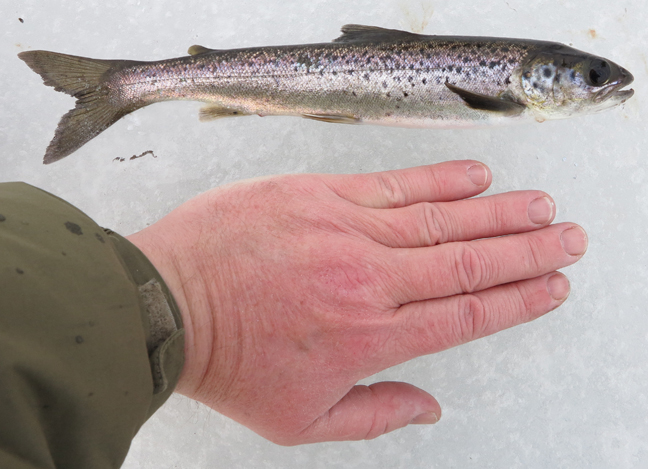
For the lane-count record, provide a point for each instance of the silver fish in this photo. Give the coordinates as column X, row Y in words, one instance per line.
column 368, row 75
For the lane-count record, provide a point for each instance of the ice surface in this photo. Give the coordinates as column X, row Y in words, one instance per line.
column 566, row 391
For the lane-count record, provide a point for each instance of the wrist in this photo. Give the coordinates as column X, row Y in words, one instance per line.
column 165, row 261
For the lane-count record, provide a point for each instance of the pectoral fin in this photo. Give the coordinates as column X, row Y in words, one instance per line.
column 487, row 103
column 210, row 113
column 333, row 119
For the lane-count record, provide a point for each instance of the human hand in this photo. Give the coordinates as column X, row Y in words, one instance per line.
column 293, row 288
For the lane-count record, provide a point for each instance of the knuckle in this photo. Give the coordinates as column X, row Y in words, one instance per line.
column 393, row 189
column 522, row 305
column 534, row 257
column 471, row 320
column 472, row 269
column 435, row 226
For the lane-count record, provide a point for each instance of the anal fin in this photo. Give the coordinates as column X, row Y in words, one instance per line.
column 213, row 112
column 487, row 103
column 333, row 118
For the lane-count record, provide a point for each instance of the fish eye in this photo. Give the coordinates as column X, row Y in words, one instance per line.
column 599, row 73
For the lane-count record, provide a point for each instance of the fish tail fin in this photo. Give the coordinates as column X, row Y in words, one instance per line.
column 86, row 80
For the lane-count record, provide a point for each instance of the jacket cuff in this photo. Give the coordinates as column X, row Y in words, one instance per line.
column 91, row 340
column 161, row 319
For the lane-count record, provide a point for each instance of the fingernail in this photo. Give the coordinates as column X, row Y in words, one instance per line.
column 574, row 241
column 541, row 210
column 427, row 418
column 558, row 287
column 478, row 174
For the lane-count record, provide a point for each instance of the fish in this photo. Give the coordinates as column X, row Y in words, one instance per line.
column 368, row 75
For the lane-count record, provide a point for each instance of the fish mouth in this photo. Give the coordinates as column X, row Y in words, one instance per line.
column 615, row 92
column 622, row 95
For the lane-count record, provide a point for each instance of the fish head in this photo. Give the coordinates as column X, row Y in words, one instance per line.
column 564, row 82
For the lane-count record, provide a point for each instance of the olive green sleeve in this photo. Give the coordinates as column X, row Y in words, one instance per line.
column 91, row 340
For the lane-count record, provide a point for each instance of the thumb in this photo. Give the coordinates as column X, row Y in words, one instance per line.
column 366, row 412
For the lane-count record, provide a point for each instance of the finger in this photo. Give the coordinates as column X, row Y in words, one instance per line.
column 431, row 326
column 427, row 224
column 444, row 181
column 466, row 267
column 367, row 412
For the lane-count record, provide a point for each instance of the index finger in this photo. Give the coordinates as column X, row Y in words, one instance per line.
column 452, row 180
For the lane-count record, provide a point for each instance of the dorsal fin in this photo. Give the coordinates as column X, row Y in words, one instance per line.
column 196, row 50
column 361, row 33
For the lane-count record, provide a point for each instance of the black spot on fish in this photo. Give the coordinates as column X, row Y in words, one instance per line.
column 424, row 81
column 366, row 76
column 458, row 69
column 100, row 238
column 507, row 81
column 527, row 74
column 572, row 75
column 546, row 71
column 428, row 56
column 537, row 86
column 78, row 339
column 73, row 228
column 64, row 253
column 479, row 45
column 411, row 67
column 384, row 84
column 388, row 114
column 466, row 60
column 405, row 94
column 19, row 271
column 505, row 49
column 512, row 61
column 454, row 47
column 482, row 63
column 354, row 93
column 450, row 68
column 397, row 106
column 397, row 79
column 334, row 73
column 305, row 60
column 493, row 64
column 410, row 78
column 2, row 217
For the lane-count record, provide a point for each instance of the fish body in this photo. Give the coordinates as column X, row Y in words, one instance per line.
column 368, row 75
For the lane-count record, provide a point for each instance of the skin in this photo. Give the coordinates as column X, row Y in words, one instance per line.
column 293, row 288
